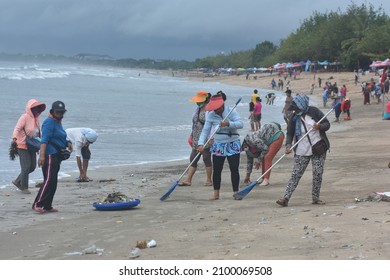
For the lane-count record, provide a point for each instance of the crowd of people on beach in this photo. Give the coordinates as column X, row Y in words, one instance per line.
column 215, row 136
column 52, row 144
column 214, row 120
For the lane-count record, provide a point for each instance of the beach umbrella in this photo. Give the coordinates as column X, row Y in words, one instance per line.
column 376, row 64
column 385, row 63
column 245, row 191
column 173, row 187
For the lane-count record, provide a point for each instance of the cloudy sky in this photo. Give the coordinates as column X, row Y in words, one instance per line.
column 157, row 29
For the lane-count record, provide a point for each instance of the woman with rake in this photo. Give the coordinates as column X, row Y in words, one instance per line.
column 305, row 119
column 226, row 142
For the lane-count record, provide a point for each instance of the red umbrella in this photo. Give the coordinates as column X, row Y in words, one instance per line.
column 377, row 63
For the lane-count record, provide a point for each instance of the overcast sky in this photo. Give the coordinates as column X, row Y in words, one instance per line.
column 157, row 29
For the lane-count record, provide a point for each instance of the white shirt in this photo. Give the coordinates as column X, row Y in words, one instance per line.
column 304, row 147
column 78, row 140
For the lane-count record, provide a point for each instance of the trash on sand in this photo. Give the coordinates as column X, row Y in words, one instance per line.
column 141, row 244
column 73, row 254
column 329, row 229
column 375, row 196
column 116, row 197
column 135, row 253
column 152, row 243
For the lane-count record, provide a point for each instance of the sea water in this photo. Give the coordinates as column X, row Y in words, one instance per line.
column 140, row 116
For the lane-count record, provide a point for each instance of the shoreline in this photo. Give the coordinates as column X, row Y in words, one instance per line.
column 188, row 226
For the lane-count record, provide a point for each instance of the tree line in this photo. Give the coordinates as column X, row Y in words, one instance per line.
column 353, row 38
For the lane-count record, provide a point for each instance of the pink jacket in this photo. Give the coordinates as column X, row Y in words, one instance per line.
column 27, row 122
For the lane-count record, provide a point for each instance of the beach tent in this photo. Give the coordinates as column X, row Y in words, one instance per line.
column 325, row 62
column 375, row 64
column 308, row 62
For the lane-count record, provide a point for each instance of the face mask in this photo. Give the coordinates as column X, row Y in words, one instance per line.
column 58, row 118
column 298, row 113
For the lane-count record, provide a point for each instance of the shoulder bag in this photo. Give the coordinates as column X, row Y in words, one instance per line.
column 318, row 148
column 33, row 143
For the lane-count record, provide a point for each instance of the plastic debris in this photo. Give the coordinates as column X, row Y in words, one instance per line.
column 152, row 243
column 135, row 253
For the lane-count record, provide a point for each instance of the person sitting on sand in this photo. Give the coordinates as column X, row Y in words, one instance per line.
column 261, row 148
column 81, row 139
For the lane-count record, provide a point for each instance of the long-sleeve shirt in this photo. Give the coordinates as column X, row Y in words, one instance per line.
column 224, row 134
column 53, row 133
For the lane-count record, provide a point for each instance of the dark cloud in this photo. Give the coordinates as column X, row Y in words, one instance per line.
column 172, row 29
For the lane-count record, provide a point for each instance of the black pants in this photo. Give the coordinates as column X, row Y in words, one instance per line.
column 234, row 163
column 50, row 170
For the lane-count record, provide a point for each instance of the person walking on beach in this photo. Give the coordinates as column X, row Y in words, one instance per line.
column 251, row 115
column 226, row 142
column 336, row 103
column 261, row 148
column 53, row 139
column 198, row 121
column 304, row 119
column 287, row 103
column 257, row 113
column 28, row 124
column 81, row 139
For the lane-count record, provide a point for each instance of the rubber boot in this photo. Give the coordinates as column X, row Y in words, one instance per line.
column 209, row 172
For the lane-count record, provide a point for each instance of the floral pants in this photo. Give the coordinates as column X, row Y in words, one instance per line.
column 300, row 165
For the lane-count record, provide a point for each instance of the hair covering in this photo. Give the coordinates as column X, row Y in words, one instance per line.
column 300, row 102
column 90, row 134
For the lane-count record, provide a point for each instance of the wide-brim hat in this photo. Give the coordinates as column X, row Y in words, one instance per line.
column 200, row 97
column 215, row 103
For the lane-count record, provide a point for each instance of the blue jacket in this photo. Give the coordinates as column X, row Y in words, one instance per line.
column 52, row 132
column 224, row 134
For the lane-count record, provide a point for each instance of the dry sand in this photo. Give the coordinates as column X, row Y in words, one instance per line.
column 189, row 226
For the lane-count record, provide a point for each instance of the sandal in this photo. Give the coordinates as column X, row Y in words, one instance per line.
column 79, row 180
column 282, row 201
column 318, row 202
column 52, row 210
column 208, row 184
column 39, row 209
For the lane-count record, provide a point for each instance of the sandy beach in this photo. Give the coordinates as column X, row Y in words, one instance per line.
column 188, row 226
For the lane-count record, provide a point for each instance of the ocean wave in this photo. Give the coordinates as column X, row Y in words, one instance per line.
column 132, row 130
